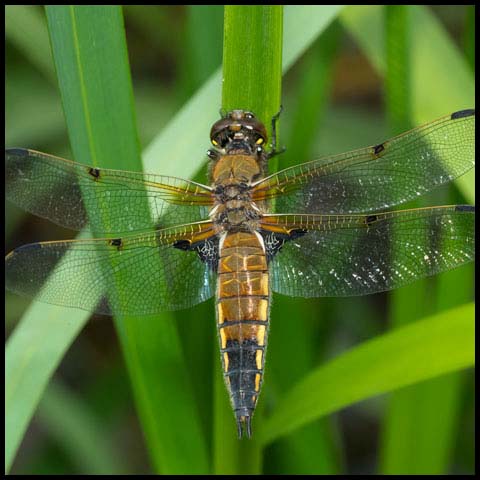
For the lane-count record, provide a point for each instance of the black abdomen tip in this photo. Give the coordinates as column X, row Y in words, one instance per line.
column 244, row 424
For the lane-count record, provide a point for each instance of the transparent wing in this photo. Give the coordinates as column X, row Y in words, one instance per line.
column 344, row 255
column 58, row 190
column 140, row 274
column 379, row 177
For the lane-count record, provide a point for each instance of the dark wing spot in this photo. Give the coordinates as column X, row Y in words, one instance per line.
column 19, row 152
column 378, row 149
column 275, row 241
column 299, row 232
column 94, row 172
column 465, row 208
column 207, row 250
column 28, row 246
column 182, row 244
column 463, row 113
column 116, row 242
column 370, row 219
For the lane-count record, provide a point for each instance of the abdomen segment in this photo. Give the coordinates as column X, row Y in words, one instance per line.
column 242, row 318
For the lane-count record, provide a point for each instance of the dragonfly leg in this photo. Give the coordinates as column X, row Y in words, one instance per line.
column 273, row 143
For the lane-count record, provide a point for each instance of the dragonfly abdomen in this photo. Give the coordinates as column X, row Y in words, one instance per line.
column 242, row 317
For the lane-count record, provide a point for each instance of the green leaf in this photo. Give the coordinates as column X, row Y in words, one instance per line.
column 469, row 36
column 25, row 28
column 33, row 352
column 252, row 59
column 202, row 46
column 92, row 65
column 397, row 81
column 409, row 413
column 425, row 349
column 80, row 432
column 303, row 24
column 252, row 80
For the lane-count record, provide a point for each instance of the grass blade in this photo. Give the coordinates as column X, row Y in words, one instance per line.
column 68, row 419
column 410, row 303
column 409, row 413
column 30, row 362
column 91, row 58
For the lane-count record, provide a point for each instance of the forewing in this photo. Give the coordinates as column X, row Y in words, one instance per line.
column 379, row 177
column 344, row 255
column 58, row 190
column 139, row 274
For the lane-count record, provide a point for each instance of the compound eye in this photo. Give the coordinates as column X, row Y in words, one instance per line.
column 222, row 138
column 249, row 115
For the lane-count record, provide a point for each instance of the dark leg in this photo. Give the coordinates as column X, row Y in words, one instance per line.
column 213, row 154
column 273, row 143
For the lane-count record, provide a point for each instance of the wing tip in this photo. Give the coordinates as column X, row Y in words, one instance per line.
column 27, row 246
column 463, row 113
column 465, row 208
column 19, row 152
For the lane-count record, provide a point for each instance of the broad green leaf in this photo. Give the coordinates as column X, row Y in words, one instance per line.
column 92, row 65
column 33, row 352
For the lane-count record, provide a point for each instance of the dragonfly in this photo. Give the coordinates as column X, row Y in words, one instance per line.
column 315, row 229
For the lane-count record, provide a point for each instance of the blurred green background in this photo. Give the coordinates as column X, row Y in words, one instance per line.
column 336, row 97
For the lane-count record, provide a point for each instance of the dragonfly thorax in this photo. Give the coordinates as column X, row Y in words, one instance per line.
column 236, row 170
column 233, row 207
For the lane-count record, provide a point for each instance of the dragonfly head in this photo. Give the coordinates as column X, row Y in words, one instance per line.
column 238, row 131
